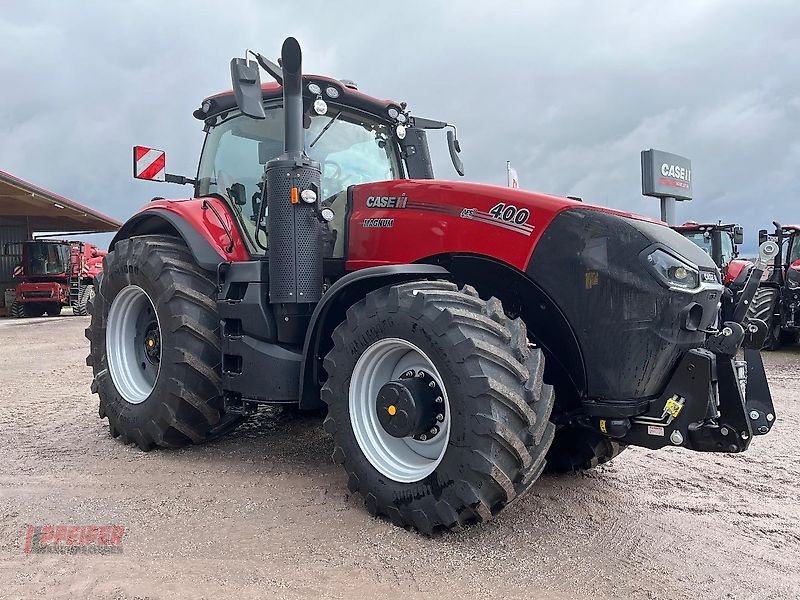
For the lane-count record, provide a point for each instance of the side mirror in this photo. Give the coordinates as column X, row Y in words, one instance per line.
column 246, row 82
column 738, row 235
column 762, row 236
column 238, row 194
column 455, row 148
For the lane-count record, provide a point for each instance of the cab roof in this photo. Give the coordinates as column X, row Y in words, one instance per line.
column 692, row 226
column 348, row 94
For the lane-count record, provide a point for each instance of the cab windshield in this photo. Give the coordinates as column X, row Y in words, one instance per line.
column 45, row 259
column 351, row 148
column 703, row 239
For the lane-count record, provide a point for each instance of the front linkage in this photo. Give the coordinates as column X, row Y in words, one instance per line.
column 714, row 402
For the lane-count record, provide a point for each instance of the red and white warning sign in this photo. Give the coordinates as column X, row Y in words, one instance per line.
column 149, row 163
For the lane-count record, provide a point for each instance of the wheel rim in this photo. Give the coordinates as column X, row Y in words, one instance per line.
column 405, row 459
column 133, row 344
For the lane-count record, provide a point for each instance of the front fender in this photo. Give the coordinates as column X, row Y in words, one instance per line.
column 332, row 310
column 205, row 224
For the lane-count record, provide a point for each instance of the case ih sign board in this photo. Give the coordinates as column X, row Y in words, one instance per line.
column 666, row 175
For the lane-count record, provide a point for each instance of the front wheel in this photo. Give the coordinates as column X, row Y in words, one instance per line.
column 53, row 310
column 155, row 347
column 763, row 307
column 436, row 405
column 17, row 310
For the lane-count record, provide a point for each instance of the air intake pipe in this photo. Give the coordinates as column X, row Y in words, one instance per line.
column 295, row 232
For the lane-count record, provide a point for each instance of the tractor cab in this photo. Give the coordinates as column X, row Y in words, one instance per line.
column 43, row 259
column 720, row 242
column 354, row 137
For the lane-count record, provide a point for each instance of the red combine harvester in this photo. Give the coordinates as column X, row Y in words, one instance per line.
column 462, row 337
column 777, row 301
column 54, row 274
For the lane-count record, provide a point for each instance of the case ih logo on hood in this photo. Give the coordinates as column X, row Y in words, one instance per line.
column 387, row 201
column 675, row 176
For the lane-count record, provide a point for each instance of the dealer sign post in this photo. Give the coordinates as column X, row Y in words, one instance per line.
column 667, row 177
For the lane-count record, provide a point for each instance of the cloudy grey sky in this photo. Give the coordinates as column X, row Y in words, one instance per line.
column 570, row 92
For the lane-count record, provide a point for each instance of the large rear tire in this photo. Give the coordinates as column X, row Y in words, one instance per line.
column 488, row 442
column 578, row 448
column 763, row 307
column 81, row 309
column 155, row 346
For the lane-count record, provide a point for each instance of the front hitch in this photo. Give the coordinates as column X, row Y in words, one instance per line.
column 714, row 402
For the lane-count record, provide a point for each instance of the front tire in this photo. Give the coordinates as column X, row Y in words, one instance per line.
column 155, row 347
column 17, row 310
column 486, row 385
column 53, row 310
column 763, row 307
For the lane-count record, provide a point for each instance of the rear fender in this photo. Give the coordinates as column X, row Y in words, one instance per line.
column 205, row 224
column 332, row 310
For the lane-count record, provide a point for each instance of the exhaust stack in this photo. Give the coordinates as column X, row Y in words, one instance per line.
column 293, row 185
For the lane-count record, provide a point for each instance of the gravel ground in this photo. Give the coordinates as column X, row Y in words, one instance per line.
column 264, row 512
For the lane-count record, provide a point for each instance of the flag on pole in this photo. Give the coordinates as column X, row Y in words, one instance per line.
column 513, row 178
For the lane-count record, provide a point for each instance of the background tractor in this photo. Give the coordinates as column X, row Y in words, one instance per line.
column 462, row 337
column 777, row 301
column 54, row 274
column 721, row 242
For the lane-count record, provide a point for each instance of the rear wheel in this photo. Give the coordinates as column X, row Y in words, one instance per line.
column 763, row 307
column 436, row 405
column 81, row 309
column 155, row 348
column 577, row 448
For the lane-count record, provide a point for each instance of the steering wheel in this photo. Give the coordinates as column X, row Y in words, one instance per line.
column 333, row 181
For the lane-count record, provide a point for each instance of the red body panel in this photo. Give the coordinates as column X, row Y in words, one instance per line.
column 435, row 217
column 38, row 292
column 735, row 268
column 206, row 222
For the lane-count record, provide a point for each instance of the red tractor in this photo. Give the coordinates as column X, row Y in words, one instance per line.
column 462, row 337
column 721, row 242
column 54, row 274
column 777, row 301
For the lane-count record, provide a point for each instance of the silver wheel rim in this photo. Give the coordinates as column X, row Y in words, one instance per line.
column 129, row 330
column 405, row 460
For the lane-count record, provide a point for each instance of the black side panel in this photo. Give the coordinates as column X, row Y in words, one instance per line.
column 254, row 367
column 629, row 327
column 331, row 311
column 164, row 221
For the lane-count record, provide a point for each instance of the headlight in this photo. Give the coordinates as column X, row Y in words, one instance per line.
column 672, row 271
